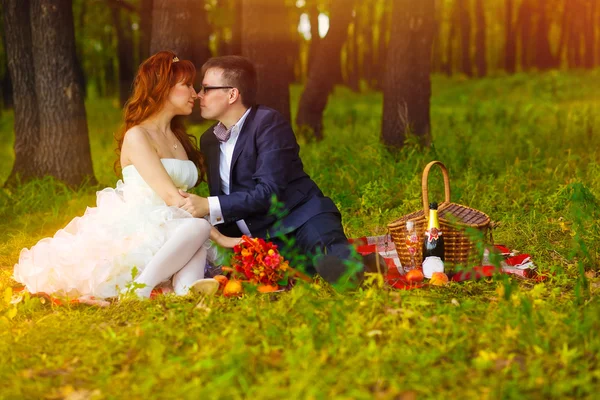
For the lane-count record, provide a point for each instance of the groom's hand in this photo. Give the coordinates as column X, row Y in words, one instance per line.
column 195, row 205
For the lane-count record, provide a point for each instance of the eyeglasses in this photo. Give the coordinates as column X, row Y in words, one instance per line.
column 204, row 89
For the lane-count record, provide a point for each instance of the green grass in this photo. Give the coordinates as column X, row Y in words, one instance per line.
column 522, row 148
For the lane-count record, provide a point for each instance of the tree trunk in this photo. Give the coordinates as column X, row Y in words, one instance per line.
column 437, row 61
column 564, row 35
column 384, row 28
column 313, row 14
column 63, row 150
column 173, row 22
column 80, row 32
column 454, row 28
column 17, row 32
column 574, row 44
column 268, row 45
column 524, row 25
column 146, row 7
column 510, row 40
column 122, row 24
column 596, row 19
column 322, row 76
column 407, row 88
column 480, row 42
column 465, row 37
column 235, row 46
column 200, row 35
column 543, row 54
column 352, row 62
column 588, row 7
column 367, row 26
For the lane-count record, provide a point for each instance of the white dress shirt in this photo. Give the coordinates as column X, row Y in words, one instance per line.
column 216, row 215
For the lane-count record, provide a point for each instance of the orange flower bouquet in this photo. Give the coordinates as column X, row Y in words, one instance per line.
column 259, row 263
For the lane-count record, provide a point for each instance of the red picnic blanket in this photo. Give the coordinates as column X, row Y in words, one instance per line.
column 513, row 263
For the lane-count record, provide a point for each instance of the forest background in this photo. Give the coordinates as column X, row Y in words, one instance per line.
column 504, row 92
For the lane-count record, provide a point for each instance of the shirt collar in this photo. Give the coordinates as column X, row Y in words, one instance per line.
column 237, row 128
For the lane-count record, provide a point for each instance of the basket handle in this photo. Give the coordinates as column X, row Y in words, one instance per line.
column 425, row 187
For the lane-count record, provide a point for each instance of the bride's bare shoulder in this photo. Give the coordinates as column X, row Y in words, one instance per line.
column 136, row 135
column 136, row 141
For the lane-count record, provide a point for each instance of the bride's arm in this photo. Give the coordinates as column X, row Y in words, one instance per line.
column 142, row 155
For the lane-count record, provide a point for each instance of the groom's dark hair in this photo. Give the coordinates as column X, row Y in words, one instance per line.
column 238, row 72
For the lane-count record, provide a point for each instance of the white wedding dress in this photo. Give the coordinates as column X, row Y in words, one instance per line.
column 95, row 254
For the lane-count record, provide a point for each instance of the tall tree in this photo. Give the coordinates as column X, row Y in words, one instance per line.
column 543, row 54
column 51, row 136
column 384, row 29
column 453, row 32
column 480, row 42
column 367, row 25
column 352, row 57
column 181, row 26
column 17, row 32
column 524, row 26
column 510, row 39
column 146, row 7
column 200, row 33
column 173, row 22
column 268, row 45
column 576, row 14
column 465, row 36
column 324, row 71
column 588, row 7
column 63, row 150
column 235, row 45
column 122, row 23
column 315, row 38
column 407, row 89
column 438, row 64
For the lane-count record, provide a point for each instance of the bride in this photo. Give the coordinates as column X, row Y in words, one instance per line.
column 137, row 233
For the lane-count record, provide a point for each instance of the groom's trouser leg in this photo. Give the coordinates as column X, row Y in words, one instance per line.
column 323, row 242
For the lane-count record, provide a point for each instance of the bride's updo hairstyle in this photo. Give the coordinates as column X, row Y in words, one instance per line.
column 154, row 79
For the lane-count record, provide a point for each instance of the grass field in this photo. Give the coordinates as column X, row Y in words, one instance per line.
column 523, row 148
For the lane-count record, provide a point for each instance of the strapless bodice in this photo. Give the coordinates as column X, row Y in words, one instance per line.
column 183, row 173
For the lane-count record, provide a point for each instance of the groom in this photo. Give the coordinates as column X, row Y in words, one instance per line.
column 252, row 158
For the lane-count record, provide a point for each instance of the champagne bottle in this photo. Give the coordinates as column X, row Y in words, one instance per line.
column 433, row 244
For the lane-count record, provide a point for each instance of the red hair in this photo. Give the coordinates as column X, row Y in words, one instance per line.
column 153, row 82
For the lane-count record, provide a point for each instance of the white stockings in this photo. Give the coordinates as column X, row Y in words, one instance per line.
column 182, row 257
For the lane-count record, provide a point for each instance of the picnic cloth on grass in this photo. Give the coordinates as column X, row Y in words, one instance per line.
column 513, row 263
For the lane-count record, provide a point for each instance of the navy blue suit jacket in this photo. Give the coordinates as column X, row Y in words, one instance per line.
column 265, row 162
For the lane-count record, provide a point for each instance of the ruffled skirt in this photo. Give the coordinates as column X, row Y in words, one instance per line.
column 101, row 252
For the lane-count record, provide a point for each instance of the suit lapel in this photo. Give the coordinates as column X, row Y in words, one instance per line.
column 241, row 141
column 214, row 175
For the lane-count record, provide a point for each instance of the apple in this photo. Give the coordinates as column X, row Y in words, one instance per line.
column 439, row 279
column 233, row 288
column 414, row 275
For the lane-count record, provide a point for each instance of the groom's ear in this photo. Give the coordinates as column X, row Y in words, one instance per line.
column 234, row 95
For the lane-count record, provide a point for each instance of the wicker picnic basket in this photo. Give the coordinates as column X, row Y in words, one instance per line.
column 454, row 219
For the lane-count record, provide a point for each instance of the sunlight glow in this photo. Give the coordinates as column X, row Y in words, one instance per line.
column 304, row 25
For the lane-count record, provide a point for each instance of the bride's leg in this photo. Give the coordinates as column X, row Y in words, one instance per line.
column 174, row 254
column 190, row 273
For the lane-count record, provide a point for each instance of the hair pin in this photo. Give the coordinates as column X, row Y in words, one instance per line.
column 175, row 59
